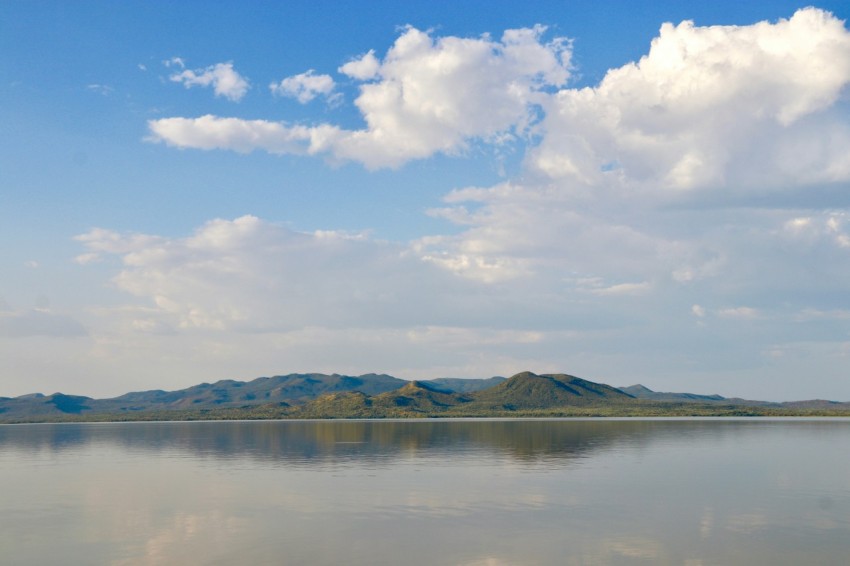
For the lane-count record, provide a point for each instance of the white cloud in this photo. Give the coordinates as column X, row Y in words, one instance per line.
column 222, row 77
column 526, row 231
column 434, row 95
column 211, row 132
column 175, row 62
column 305, row 87
column 689, row 115
column 251, row 275
column 248, row 275
column 697, row 112
column 610, row 232
column 364, row 68
column 709, row 107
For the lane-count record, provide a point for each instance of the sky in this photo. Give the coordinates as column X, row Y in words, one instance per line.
column 631, row 192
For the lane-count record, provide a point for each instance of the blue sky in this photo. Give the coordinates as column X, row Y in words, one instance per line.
column 197, row 191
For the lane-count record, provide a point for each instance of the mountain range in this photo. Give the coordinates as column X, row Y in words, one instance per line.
column 317, row 395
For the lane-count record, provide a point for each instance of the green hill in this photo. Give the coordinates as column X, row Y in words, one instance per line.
column 347, row 404
column 416, row 398
column 528, row 390
column 419, row 397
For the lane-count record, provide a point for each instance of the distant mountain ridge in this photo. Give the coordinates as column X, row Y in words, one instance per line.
column 283, row 390
column 642, row 392
column 316, row 395
column 293, row 389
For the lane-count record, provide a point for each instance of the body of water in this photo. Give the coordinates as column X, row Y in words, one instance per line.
column 470, row 492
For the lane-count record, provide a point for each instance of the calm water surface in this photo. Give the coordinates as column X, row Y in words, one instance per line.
column 693, row 492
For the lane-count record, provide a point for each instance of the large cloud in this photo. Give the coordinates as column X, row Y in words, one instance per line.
column 745, row 106
column 742, row 106
column 250, row 275
column 427, row 95
column 723, row 111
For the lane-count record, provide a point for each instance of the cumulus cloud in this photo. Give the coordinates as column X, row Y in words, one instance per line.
column 709, row 107
column 430, row 95
column 224, row 80
column 600, row 222
column 212, row 132
column 728, row 109
column 750, row 107
column 362, row 68
column 305, row 87
column 252, row 275
column 525, row 230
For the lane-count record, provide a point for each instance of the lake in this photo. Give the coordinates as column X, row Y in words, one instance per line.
column 461, row 492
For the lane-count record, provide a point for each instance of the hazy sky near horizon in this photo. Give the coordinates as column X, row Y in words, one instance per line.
column 651, row 192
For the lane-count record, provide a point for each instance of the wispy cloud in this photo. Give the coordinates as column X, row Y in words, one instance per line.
column 105, row 90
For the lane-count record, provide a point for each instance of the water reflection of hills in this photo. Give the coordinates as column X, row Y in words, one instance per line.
column 294, row 443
